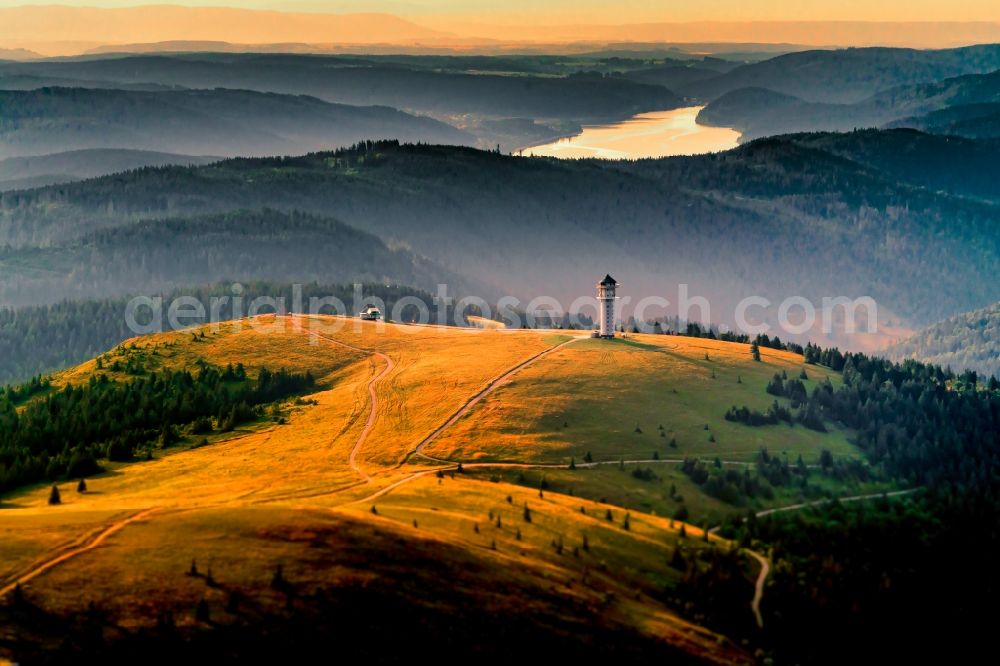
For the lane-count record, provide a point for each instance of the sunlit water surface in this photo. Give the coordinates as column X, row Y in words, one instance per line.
column 655, row 134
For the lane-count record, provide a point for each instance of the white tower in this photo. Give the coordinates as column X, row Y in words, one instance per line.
column 606, row 304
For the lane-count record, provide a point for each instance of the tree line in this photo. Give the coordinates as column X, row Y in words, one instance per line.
column 65, row 432
column 900, row 577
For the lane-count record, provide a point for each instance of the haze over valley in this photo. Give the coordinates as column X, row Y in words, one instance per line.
column 547, row 331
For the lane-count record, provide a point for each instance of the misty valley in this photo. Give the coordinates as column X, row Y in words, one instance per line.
column 525, row 334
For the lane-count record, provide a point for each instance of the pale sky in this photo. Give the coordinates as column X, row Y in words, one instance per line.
column 606, row 11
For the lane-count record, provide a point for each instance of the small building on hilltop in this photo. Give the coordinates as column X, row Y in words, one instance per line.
column 370, row 313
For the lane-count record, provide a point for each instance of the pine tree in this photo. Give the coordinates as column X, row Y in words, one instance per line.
column 81, row 486
column 201, row 613
column 54, row 497
column 278, row 578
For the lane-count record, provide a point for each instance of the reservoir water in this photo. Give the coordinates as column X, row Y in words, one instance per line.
column 654, row 134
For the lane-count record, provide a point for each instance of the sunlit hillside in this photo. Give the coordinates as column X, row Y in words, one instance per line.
column 512, row 452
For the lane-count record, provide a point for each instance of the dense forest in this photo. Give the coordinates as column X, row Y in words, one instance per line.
column 22, row 173
column 847, row 76
column 39, row 339
column 64, row 432
column 413, row 83
column 762, row 111
column 198, row 122
column 976, row 121
column 883, row 573
column 969, row 341
column 472, row 212
column 159, row 255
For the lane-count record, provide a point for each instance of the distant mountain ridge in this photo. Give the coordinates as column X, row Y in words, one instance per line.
column 241, row 245
column 18, row 54
column 763, row 112
column 220, row 122
column 38, row 171
column 849, row 76
column 809, row 215
column 974, row 121
column 154, row 23
column 367, row 81
column 969, row 341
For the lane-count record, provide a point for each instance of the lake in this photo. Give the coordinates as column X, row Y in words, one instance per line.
column 655, row 134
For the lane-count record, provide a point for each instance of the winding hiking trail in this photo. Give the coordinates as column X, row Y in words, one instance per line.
column 372, row 393
column 765, row 564
column 95, row 538
column 853, row 498
column 490, row 387
column 88, row 543
column 758, row 588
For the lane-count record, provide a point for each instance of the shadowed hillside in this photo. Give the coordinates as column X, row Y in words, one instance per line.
column 162, row 254
column 762, row 111
column 777, row 217
column 969, row 341
column 449, row 89
column 21, row 173
column 219, row 122
column 849, row 75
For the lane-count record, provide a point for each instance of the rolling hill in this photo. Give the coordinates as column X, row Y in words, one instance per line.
column 19, row 173
column 470, row 92
column 219, row 122
column 315, row 487
column 849, row 76
column 814, row 217
column 162, row 254
column 969, row 341
column 407, row 84
column 974, row 121
column 298, row 476
column 762, row 112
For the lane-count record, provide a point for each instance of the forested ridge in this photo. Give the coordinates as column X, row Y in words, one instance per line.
column 65, row 432
column 768, row 108
column 197, row 122
column 886, row 572
column 813, row 215
column 157, row 255
column 969, row 341
column 39, row 339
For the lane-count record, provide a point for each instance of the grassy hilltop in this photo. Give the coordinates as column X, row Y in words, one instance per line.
column 544, row 516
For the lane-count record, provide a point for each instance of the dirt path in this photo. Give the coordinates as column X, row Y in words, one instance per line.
column 765, row 565
column 90, row 543
column 854, row 498
column 490, row 387
column 758, row 590
column 372, row 393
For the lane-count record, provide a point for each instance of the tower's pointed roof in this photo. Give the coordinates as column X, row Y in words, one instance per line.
column 608, row 280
